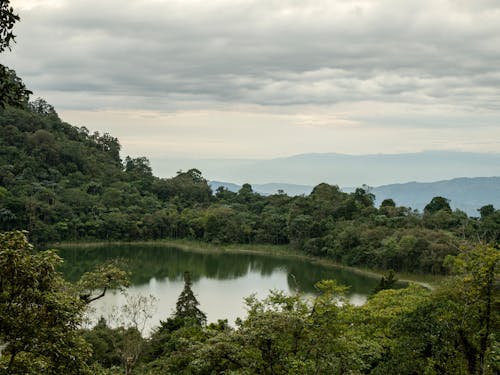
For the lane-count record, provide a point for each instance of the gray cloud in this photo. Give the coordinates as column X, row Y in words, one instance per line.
column 176, row 54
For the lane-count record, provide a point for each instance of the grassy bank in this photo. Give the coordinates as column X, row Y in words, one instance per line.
column 426, row 280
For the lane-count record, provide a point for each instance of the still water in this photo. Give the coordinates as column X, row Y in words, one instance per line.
column 221, row 280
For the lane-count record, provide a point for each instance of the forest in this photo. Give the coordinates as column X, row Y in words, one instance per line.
column 59, row 182
column 62, row 183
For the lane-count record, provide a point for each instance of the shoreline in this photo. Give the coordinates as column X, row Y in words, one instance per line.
column 426, row 280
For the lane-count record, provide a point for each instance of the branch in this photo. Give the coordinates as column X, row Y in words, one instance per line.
column 87, row 299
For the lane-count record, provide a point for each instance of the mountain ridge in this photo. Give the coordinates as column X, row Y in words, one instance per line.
column 341, row 169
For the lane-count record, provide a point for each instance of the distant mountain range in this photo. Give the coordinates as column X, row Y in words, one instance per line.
column 340, row 169
column 466, row 194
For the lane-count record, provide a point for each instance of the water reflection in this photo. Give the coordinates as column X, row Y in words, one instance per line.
column 220, row 280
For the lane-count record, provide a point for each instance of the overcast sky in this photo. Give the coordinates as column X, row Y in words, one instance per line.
column 266, row 78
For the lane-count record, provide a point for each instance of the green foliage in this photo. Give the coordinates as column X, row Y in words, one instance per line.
column 186, row 307
column 13, row 92
column 93, row 285
column 454, row 331
column 451, row 330
column 7, row 20
column 105, row 342
column 386, row 282
column 437, row 204
column 12, row 89
column 39, row 314
column 63, row 183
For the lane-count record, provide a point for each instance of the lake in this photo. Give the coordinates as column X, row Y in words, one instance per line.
column 221, row 280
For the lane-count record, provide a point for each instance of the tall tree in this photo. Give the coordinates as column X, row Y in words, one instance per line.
column 187, row 304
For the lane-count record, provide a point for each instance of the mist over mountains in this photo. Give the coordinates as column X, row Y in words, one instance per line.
column 466, row 194
column 340, row 169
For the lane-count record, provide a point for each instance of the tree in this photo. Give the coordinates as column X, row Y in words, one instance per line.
column 12, row 89
column 486, row 211
column 40, row 312
column 478, row 270
column 103, row 340
column 7, row 21
column 186, row 189
column 283, row 335
column 132, row 317
column 453, row 331
column 388, row 203
column 437, row 204
column 94, row 285
column 187, row 304
column 363, row 196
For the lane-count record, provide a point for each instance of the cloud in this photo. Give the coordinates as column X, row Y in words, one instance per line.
column 191, row 54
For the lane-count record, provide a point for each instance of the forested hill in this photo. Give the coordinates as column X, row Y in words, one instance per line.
column 60, row 182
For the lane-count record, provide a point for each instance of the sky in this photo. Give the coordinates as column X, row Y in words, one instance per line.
column 268, row 78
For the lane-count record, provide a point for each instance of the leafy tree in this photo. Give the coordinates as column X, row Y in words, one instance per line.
column 372, row 324
column 39, row 315
column 93, row 285
column 480, row 292
column 437, row 204
column 187, row 188
column 363, row 196
column 12, row 89
column 41, row 107
column 281, row 335
column 388, row 203
column 486, row 211
column 453, row 330
column 7, row 21
column 104, row 342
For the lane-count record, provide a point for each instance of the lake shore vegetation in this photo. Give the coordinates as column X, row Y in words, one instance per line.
column 62, row 183
column 413, row 330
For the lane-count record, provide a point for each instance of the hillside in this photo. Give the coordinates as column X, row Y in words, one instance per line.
column 62, row 183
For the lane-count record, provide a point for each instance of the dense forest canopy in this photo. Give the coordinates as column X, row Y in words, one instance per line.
column 64, row 183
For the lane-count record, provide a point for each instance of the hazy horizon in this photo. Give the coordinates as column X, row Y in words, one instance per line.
column 339, row 169
column 266, row 79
